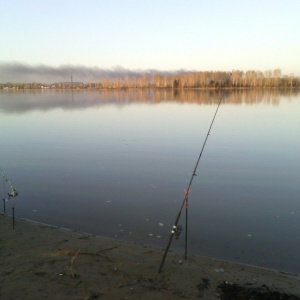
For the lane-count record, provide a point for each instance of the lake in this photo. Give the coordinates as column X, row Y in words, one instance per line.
column 115, row 163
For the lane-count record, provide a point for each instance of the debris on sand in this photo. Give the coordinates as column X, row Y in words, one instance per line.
column 232, row 291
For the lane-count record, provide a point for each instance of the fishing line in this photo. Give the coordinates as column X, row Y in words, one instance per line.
column 177, row 228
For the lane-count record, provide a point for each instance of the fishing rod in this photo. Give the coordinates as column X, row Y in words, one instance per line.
column 12, row 194
column 3, row 192
column 176, row 230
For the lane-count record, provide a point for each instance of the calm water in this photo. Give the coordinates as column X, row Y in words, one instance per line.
column 116, row 163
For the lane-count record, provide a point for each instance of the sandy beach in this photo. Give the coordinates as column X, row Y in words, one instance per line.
column 43, row 262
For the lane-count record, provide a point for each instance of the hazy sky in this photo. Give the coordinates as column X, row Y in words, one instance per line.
column 157, row 34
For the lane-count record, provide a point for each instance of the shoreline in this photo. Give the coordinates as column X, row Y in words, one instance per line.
column 40, row 261
column 134, row 244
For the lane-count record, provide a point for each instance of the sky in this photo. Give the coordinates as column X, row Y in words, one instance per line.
column 164, row 35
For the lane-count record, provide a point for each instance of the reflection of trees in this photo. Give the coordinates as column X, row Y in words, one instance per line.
column 194, row 96
column 26, row 100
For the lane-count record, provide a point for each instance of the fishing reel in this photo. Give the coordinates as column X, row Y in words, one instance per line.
column 176, row 231
column 13, row 193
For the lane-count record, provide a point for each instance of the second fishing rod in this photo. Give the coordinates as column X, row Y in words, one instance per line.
column 177, row 228
column 12, row 195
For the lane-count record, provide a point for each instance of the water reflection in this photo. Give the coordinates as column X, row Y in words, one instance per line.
column 20, row 101
column 114, row 163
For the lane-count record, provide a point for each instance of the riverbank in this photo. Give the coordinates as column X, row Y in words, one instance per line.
column 43, row 262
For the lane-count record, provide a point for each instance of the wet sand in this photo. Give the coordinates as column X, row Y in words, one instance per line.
column 43, row 262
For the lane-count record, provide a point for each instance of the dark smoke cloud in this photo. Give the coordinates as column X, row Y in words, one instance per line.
column 22, row 73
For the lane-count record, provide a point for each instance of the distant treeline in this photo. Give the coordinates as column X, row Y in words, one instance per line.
column 207, row 79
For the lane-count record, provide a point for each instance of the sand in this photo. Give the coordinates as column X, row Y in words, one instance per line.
column 43, row 262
